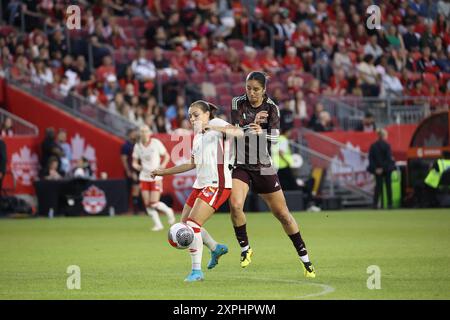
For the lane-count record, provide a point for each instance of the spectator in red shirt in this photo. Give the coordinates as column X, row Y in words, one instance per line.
column 291, row 61
column 105, row 69
column 269, row 63
column 179, row 61
column 338, row 82
column 250, row 63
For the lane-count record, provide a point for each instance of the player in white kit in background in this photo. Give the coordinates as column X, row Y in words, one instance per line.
column 150, row 154
column 211, row 156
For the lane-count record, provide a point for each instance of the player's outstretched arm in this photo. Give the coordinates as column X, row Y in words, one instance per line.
column 229, row 130
column 173, row 170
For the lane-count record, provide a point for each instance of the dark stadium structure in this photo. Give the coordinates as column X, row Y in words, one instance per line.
column 430, row 141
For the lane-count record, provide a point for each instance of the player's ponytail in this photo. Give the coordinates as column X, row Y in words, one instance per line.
column 206, row 106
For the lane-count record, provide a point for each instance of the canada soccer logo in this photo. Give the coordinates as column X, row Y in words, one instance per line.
column 94, row 200
column 25, row 166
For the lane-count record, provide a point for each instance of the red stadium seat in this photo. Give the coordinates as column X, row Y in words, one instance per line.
column 149, row 55
column 138, row 22
column 430, row 79
column 169, row 54
column 119, row 56
column 217, row 77
column 140, row 33
column 198, row 78
column 237, row 89
column 225, row 102
column 131, row 43
column 129, row 32
column 236, row 44
column 124, row 22
column 131, row 54
column 223, row 89
column 5, row 30
column 236, row 78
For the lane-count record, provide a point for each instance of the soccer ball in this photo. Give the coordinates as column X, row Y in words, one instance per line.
column 180, row 235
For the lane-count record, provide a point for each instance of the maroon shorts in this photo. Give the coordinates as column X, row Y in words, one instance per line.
column 259, row 183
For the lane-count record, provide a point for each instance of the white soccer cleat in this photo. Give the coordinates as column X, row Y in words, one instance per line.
column 157, row 228
column 171, row 216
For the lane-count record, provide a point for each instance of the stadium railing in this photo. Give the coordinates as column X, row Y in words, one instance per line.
column 20, row 126
column 75, row 104
column 349, row 111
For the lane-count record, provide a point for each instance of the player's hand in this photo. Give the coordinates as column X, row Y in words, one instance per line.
column 261, row 117
column 379, row 171
column 255, row 128
column 157, row 172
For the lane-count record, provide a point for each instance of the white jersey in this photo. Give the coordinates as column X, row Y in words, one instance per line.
column 212, row 156
column 150, row 157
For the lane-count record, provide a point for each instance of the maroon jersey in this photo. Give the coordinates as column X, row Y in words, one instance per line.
column 253, row 151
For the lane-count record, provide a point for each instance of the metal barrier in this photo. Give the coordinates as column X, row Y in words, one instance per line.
column 20, row 126
column 387, row 110
column 76, row 105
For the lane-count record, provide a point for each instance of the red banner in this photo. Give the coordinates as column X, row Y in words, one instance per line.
column 22, row 164
column 99, row 147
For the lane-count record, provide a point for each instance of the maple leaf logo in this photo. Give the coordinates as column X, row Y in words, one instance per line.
column 350, row 167
column 81, row 149
column 25, row 166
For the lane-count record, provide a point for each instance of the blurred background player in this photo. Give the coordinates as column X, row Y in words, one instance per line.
column 254, row 112
column 150, row 154
column 126, row 156
column 211, row 156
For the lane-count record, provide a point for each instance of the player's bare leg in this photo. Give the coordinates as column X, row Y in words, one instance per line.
column 155, row 197
column 157, row 225
column 199, row 214
column 237, row 199
column 217, row 249
column 277, row 204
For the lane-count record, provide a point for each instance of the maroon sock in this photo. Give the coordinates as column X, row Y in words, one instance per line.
column 241, row 235
column 298, row 243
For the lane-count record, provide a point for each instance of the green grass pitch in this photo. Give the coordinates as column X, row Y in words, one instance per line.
column 120, row 258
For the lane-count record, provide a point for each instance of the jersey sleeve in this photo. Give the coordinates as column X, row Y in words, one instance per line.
column 161, row 148
column 273, row 129
column 218, row 122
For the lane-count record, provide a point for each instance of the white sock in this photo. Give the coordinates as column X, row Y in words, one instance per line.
column 245, row 248
column 161, row 206
column 196, row 247
column 304, row 258
column 155, row 216
column 208, row 240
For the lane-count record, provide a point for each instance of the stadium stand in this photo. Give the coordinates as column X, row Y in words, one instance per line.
column 313, row 51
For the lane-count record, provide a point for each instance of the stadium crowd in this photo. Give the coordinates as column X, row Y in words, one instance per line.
column 313, row 47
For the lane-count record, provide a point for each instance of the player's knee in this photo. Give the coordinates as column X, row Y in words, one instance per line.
column 236, row 206
column 285, row 218
column 152, row 204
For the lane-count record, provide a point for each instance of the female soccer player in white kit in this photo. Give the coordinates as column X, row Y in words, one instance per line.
column 211, row 156
column 152, row 155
